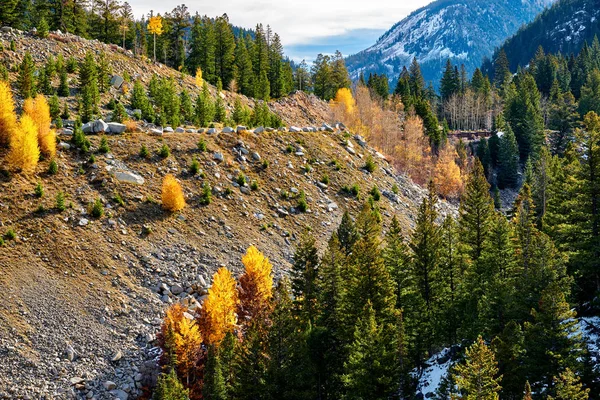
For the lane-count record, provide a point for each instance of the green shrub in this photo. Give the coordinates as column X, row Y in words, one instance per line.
column 284, row 195
column 41, row 209
column 120, row 114
column 164, row 151
column 370, row 164
column 336, row 165
column 254, row 185
column 104, row 145
column 325, row 179
column 118, row 199
column 1, row 241
column 206, row 195
column 60, row 202
column 111, row 104
column 53, row 167
column 71, row 65
column 395, row 189
column 92, row 159
column 375, row 193
column 241, row 179
column 39, row 190
column 228, row 191
column 11, row 234
column 265, row 164
column 144, row 153
column 289, row 148
column 194, row 167
column 97, row 209
column 302, row 204
column 202, row 145
column 353, row 190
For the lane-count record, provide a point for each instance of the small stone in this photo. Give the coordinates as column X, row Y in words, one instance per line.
column 118, row 355
column 110, row 385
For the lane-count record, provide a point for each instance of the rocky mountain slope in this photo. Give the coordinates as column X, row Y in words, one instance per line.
column 81, row 298
column 465, row 31
column 563, row 28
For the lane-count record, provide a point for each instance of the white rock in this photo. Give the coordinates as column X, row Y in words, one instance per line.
column 211, row 131
column 156, row 131
column 179, row 130
column 110, row 385
column 115, row 127
column 260, row 129
column 227, row 129
column 129, row 177
column 295, row 129
column 168, row 129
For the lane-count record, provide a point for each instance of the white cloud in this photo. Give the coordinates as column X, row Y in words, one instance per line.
column 299, row 21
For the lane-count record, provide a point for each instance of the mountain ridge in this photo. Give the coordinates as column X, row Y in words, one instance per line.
column 454, row 29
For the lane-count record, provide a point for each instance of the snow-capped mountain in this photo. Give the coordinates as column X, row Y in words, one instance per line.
column 462, row 30
column 563, row 28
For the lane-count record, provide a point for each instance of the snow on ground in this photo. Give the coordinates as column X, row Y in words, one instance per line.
column 438, row 366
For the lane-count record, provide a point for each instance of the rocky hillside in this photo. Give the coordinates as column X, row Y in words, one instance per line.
column 465, row 31
column 81, row 298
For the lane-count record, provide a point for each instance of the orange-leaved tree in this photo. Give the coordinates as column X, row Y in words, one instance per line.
column 8, row 118
column 172, row 194
column 218, row 316
column 446, row 175
column 39, row 111
column 181, row 342
column 24, row 152
column 256, row 285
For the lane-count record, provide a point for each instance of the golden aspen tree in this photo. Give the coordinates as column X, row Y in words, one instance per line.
column 8, row 118
column 24, row 152
column 446, row 175
column 344, row 98
column 199, row 80
column 256, row 285
column 181, row 342
column 155, row 27
column 172, row 194
column 39, row 111
column 218, row 315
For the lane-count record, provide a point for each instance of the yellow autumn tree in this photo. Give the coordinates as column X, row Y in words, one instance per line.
column 199, row 81
column 181, row 342
column 218, row 315
column 411, row 154
column 172, row 194
column 39, row 111
column 446, row 175
column 155, row 27
column 256, row 285
column 24, row 152
column 8, row 118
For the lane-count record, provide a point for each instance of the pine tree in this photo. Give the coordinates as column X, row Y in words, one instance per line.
column 244, row 74
column 568, row 387
column 416, row 80
column 224, row 50
column 168, row 387
column 88, row 84
column 304, row 276
column 204, row 107
column 476, row 209
column 370, row 371
column 552, row 340
column 501, row 69
column 25, row 80
column 508, row 160
column 448, row 84
column 477, row 378
column 63, row 87
column 527, row 394
column 214, row 387
column 321, row 77
column 104, row 72
column 509, row 348
column 590, row 94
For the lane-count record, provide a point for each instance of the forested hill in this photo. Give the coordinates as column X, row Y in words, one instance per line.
column 463, row 30
column 563, row 28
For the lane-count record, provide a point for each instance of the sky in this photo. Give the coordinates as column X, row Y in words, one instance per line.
column 306, row 27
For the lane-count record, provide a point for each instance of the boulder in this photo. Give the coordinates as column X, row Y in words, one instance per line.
column 255, row 156
column 115, row 127
column 295, row 129
column 110, row 385
column 168, row 129
column 156, row 131
column 128, row 177
column 66, row 131
column 227, row 129
column 95, row 127
column 218, row 156
column 260, row 129
column 179, row 130
column 116, row 81
column 201, row 130
column 328, row 128
column 241, row 128
column 211, row 131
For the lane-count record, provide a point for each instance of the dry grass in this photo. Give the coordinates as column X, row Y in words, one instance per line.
column 130, row 125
